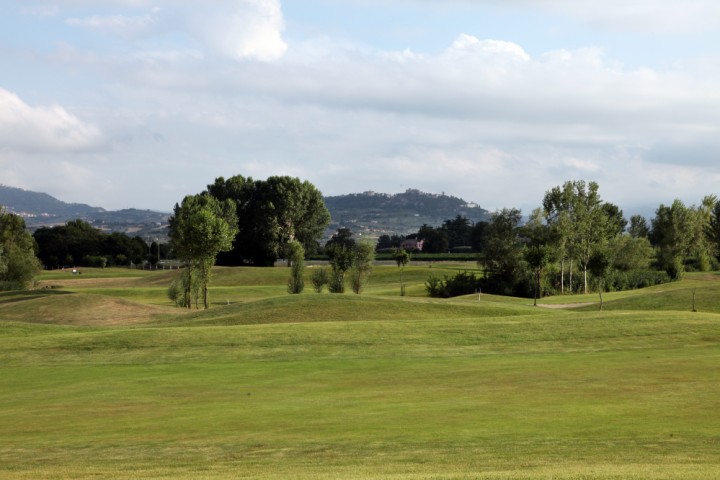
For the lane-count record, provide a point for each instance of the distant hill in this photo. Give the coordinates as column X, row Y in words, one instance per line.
column 403, row 213
column 369, row 213
column 41, row 205
column 40, row 210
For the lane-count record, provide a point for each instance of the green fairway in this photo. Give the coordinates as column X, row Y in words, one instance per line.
column 101, row 378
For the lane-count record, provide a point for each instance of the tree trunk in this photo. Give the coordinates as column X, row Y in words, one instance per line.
column 206, row 293
column 188, row 289
column 562, row 275
column 571, row 272
column 585, row 278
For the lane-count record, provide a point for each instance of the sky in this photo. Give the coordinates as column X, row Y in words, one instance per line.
column 137, row 103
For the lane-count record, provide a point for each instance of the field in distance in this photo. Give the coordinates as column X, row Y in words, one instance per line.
column 100, row 377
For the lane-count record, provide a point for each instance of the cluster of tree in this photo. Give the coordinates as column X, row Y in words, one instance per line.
column 347, row 257
column 18, row 253
column 458, row 234
column 77, row 243
column 577, row 239
column 271, row 214
column 201, row 227
column 241, row 221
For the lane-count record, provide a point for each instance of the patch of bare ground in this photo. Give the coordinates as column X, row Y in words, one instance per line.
column 84, row 310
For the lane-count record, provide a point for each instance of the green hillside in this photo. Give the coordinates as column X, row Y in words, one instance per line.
column 101, row 378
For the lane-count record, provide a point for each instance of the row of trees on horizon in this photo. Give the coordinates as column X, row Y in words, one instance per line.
column 573, row 238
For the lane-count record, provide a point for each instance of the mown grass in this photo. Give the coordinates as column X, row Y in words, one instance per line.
column 369, row 386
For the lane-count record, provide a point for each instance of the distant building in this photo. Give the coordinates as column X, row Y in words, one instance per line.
column 412, row 244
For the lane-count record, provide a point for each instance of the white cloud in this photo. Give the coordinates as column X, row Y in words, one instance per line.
column 241, row 29
column 42, row 129
column 482, row 118
column 474, row 46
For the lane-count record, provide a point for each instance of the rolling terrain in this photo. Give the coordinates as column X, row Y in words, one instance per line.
column 100, row 377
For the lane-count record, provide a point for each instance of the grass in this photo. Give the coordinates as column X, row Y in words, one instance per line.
column 346, row 386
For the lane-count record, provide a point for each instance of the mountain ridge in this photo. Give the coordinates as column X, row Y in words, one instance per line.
column 370, row 213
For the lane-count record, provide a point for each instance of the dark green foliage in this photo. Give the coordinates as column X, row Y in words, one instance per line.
column 638, row 227
column 463, row 283
column 18, row 261
column 77, row 241
column 94, row 261
column 670, row 234
column 458, row 231
column 271, row 213
column 630, row 280
column 389, row 242
column 434, row 240
column 503, row 249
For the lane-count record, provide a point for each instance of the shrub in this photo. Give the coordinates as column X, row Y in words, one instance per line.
column 463, row 283
column 319, row 279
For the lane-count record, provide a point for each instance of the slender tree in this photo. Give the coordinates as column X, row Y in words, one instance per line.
column 671, row 233
column 296, row 283
column 401, row 258
column 364, row 256
column 599, row 266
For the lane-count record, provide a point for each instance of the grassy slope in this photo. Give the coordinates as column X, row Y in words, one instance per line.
column 325, row 386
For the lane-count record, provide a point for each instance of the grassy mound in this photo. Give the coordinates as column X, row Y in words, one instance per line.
column 63, row 308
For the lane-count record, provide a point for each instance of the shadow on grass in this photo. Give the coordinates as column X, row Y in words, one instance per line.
column 16, row 296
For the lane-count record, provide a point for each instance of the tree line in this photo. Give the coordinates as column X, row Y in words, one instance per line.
column 576, row 241
column 77, row 243
column 572, row 242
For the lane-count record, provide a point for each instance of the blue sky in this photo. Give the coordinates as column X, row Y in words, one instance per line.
column 136, row 103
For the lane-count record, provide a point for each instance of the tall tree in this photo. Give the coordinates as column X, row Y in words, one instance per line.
column 18, row 253
column 713, row 228
column 591, row 222
column 340, row 250
column 638, row 227
column 458, row 231
column 296, row 256
column 503, row 251
column 539, row 250
column 401, row 258
column 558, row 207
column 671, row 233
column 701, row 245
column 434, row 240
column 200, row 228
column 363, row 259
